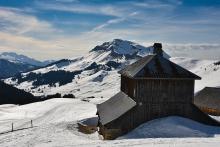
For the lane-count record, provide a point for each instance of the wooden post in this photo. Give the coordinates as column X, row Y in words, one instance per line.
column 12, row 127
column 31, row 124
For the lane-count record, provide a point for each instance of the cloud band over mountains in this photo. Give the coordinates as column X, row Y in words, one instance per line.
column 68, row 28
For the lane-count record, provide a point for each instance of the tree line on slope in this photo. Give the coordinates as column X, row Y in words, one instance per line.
column 12, row 95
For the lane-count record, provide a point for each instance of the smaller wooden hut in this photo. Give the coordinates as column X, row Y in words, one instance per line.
column 88, row 125
column 208, row 100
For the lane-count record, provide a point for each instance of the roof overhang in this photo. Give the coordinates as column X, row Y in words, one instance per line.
column 114, row 107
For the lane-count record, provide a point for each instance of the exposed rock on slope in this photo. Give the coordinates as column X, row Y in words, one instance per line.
column 98, row 68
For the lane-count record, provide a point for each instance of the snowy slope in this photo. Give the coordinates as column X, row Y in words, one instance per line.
column 46, row 112
column 86, row 76
column 172, row 127
column 96, row 73
column 55, row 125
column 207, row 69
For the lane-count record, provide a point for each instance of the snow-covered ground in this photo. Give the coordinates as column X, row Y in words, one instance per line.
column 55, row 121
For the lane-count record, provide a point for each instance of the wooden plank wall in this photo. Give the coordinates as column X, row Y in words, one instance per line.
column 155, row 99
column 164, row 91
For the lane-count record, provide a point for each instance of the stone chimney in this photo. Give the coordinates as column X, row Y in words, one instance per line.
column 158, row 49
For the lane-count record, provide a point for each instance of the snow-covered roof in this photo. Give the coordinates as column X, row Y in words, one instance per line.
column 156, row 66
column 114, row 107
column 209, row 97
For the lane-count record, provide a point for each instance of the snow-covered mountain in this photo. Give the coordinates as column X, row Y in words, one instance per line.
column 128, row 49
column 84, row 76
column 95, row 74
column 13, row 57
column 9, row 68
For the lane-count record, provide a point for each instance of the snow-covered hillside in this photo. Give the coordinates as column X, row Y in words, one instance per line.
column 55, row 121
column 95, row 77
column 12, row 64
column 209, row 70
column 9, row 68
column 87, row 76
column 95, row 74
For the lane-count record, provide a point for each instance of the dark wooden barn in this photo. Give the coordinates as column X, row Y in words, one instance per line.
column 208, row 100
column 151, row 88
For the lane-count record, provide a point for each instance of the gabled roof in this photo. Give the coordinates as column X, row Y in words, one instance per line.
column 208, row 97
column 156, row 66
column 114, row 107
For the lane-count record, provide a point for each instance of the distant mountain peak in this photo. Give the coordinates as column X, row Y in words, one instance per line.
column 129, row 49
column 9, row 53
column 18, row 58
column 99, row 66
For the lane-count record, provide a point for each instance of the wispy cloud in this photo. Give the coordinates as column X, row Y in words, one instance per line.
column 200, row 51
column 117, row 9
column 67, row 1
column 157, row 4
column 113, row 21
column 19, row 31
column 121, row 11
column 42, row 28
column 20, row 43
column 15, row 21
column 81, row 8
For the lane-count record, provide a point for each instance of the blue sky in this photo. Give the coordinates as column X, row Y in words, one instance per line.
column 68, row 28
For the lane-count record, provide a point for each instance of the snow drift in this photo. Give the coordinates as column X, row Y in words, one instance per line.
column 55, row 121
column 172, row 127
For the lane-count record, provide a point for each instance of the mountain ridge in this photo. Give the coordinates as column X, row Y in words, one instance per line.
column 12, row 64
column 8, row 68
column 18, row 58
column 96, row 73
column 128, row 49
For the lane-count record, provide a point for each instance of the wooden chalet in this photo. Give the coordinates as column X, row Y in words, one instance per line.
column 208, row 100
column 151, row 88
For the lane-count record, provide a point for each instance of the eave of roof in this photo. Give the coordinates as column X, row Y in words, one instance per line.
column 114, row 107
column 208, row 97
